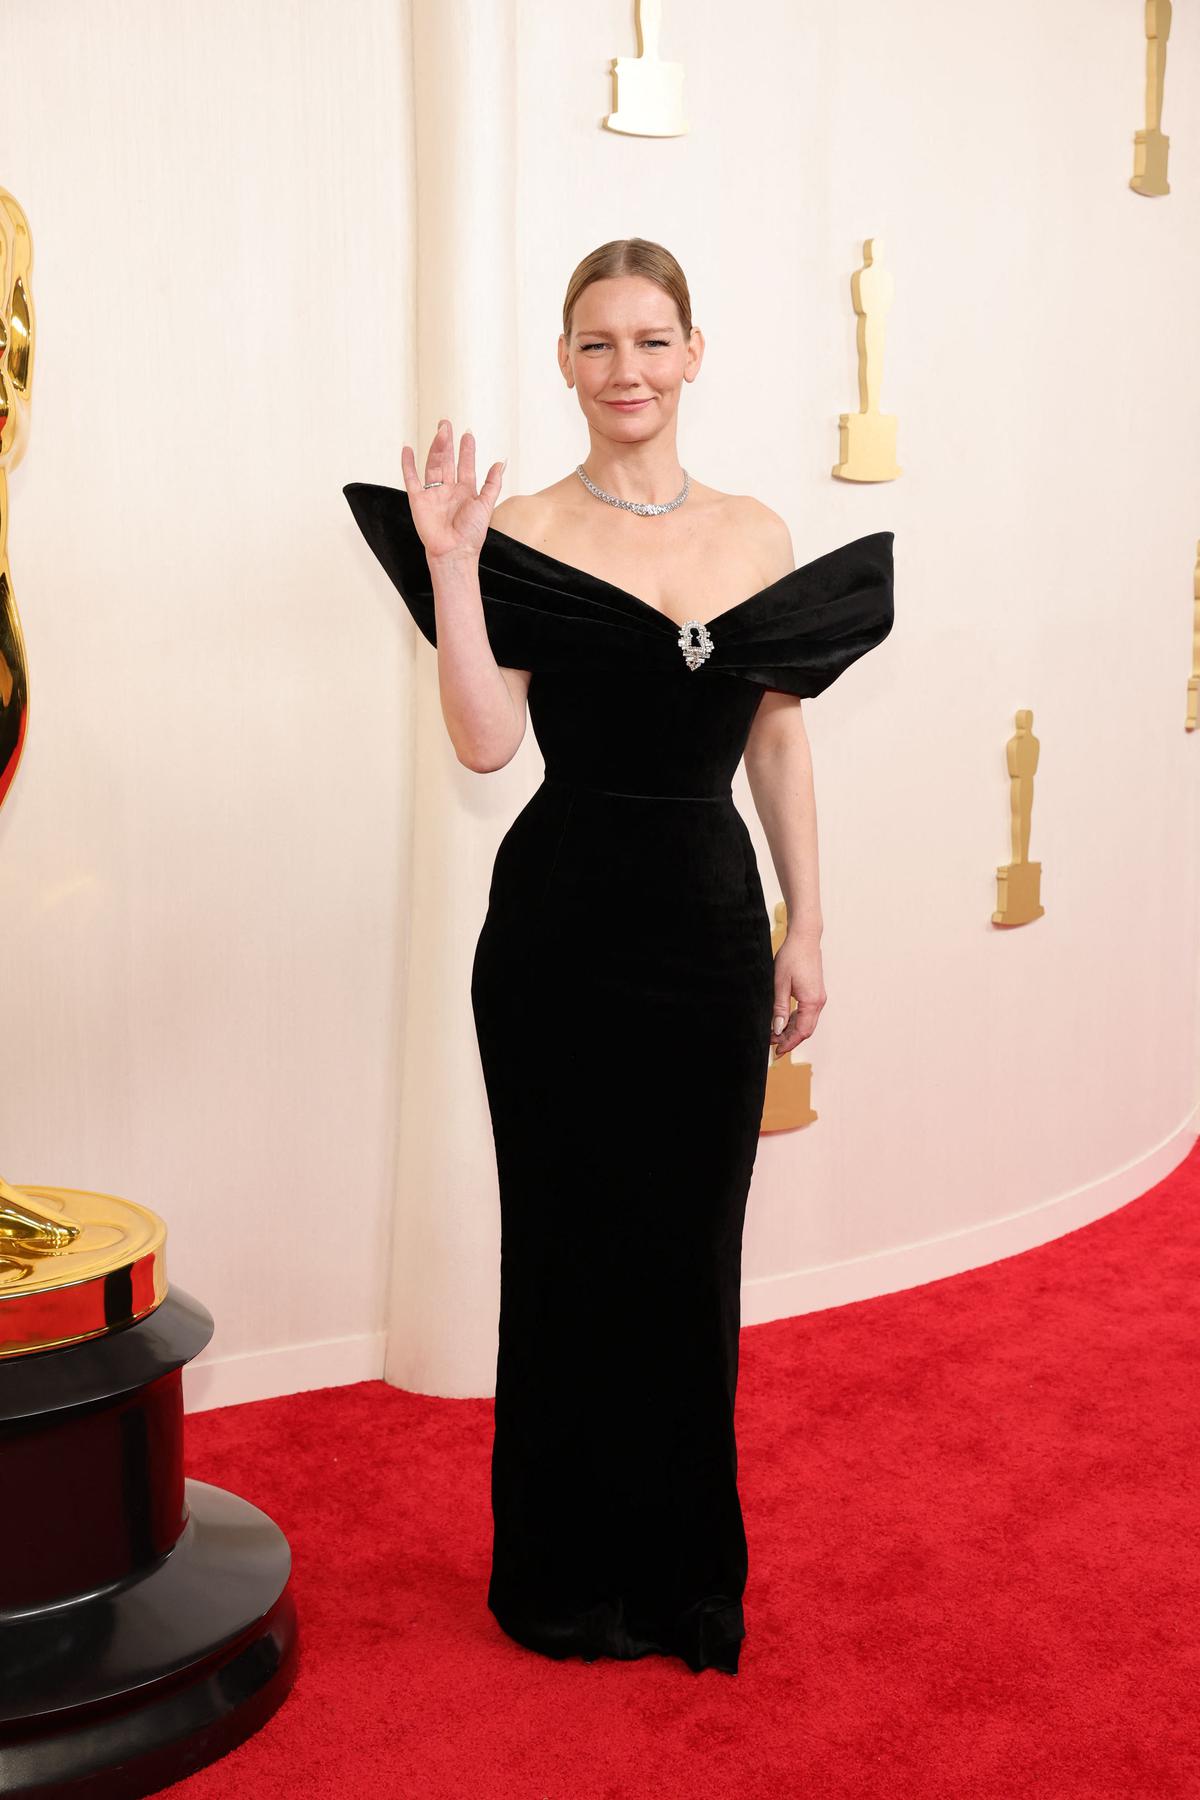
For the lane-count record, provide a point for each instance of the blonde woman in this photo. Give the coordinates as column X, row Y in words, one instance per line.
column 626, row 1002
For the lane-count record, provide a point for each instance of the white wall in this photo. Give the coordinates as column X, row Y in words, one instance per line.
column 204, row 863
column 202, row 857
column 1047, row 385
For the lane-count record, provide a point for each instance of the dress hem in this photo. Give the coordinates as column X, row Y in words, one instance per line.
column 705, row 1637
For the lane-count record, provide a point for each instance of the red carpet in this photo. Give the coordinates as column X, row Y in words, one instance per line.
column 972, row 1514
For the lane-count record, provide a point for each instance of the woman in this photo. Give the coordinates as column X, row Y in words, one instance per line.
column 625, row 998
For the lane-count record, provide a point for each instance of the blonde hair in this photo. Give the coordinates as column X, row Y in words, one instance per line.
column 631, row 256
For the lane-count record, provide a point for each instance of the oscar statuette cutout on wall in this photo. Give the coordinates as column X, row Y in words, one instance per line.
column 147, row 1623
column 788, row 1102
column 1193, row 686
column 1150, row 146
column 647, row 93
column 1018, row 883
column 868, row 437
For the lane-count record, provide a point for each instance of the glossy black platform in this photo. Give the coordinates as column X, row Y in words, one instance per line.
column 146, row 1623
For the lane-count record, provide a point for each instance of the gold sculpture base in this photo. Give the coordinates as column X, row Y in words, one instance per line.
column 1150, row 163
column 789, row 1095
column 867, row 447
column 1018, row 889
column 110, row 1271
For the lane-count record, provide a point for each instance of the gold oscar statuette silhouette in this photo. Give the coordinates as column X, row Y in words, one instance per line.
column 647, row 93
column 1193, row 686
column 1018, row 883
column 1150, row 146
column 788, row 1102
column 59, row 1248
column 16, row 373
column 147, row 1622
column 868, row 437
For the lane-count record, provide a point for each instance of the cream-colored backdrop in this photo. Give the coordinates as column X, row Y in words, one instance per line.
column 241, row 873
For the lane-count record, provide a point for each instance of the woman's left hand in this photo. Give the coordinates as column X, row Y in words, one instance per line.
column 798, row 973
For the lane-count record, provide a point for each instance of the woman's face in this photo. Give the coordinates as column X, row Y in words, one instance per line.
column 627, row 357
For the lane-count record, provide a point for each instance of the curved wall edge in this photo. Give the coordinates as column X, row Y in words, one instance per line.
column 213, row 1381
column 784, row 1296
column 243, row 1375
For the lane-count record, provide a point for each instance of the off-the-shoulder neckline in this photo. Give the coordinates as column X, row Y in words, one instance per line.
column 556, row 563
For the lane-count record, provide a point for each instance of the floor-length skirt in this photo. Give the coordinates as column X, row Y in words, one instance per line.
column 622, row 993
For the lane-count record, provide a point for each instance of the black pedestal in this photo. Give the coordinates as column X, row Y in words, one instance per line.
column 146, row 1623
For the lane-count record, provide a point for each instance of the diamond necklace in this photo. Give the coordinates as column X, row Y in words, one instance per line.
column 637, row 506
column 695, row 639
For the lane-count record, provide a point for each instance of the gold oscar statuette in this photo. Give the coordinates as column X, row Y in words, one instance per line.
column 147, row 1621
column 788, row 1102
column 72, row 1264
column 16, row 374
column 1018, row 883
column 868, row 437
column 1150, row 146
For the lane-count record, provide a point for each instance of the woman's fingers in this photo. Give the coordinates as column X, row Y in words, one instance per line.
column 436, row 462
column 439, row 464
column 801, row 1024
column 430, row 459
column 782, row 1014
column 466, row 461
column 490, row 491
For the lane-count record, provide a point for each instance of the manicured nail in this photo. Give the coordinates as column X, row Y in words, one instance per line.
column 778, row 1022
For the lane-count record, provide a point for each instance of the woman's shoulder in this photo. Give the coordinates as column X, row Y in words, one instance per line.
column 768, row 526
column 540, row 517
column 516, row 513
column 753, row 521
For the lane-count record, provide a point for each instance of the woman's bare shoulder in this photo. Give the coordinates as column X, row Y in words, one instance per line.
column 527, row 517
column 511, row 508
column 767, row 529
column 539, row 518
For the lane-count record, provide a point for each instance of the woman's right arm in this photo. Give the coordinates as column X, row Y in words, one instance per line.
column 483, row 705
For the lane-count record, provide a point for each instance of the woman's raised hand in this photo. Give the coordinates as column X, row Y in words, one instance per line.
column 452, row 519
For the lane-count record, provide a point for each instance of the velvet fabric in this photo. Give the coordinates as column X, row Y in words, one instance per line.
column 622, row 990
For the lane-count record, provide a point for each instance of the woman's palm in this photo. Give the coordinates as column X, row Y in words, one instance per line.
column 452, row 519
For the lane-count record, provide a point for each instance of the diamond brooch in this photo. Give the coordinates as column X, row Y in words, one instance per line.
column 695, row 642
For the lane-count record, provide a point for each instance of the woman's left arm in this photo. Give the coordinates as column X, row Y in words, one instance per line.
column 779, row 769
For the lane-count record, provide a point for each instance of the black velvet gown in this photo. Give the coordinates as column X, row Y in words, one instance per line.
column 622, row 993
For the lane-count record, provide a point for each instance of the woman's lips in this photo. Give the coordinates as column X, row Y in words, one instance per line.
column 628, row 405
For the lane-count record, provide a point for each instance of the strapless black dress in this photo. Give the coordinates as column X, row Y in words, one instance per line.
column 622, row 989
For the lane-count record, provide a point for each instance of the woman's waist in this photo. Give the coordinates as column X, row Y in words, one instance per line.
column 666, row 787
column 604, row 850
